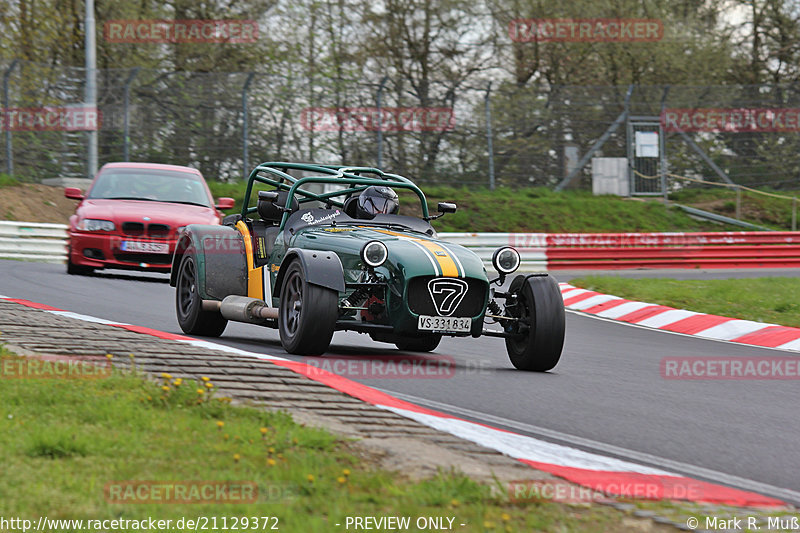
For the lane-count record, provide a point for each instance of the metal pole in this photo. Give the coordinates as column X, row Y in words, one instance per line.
column 91, row 85
column 794, row 213
column 738, row 203
column 379, row 101
column 126, row 140
column 663, row 147
column 9, row 150
column 489, row 135
column 245, row 133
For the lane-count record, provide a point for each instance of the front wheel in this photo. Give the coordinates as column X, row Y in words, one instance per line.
column 538, row 334
column 76, row 270
column 418, row 344
column 307, row 315
column 188, row 304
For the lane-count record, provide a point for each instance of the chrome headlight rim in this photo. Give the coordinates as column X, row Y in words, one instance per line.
column 95, row 225
column 496, row 260
column 372, row 246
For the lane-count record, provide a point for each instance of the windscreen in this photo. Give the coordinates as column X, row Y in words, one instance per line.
column 152, row 185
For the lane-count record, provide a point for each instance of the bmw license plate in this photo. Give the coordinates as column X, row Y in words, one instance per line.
column 145, row 247
column 444, row 324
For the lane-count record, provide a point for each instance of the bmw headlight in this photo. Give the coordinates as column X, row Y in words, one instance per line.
column 506, row 260
column 93, row 224
column 374, row 254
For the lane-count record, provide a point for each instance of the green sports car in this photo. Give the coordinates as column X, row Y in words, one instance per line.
column 323, row 249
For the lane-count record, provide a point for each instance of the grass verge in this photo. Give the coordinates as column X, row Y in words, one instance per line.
column 64, row 441
column 769, row 299
column 533, row 209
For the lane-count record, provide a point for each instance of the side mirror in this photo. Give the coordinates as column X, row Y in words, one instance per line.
column 447, row 207
column 73, row 193
column 267, row 196
column 225, row 203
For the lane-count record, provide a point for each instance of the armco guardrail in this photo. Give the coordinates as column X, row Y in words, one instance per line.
column 33, row 241
column 539, row 251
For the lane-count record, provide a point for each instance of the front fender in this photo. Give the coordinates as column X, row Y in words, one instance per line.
column 321, row 268
column 221, row 260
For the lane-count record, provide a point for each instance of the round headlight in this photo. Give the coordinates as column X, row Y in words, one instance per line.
column 374, row 254
column 506, row 260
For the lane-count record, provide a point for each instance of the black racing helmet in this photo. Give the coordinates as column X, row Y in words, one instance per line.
column 377, row 199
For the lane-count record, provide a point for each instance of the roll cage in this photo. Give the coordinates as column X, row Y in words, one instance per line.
column 276, row 174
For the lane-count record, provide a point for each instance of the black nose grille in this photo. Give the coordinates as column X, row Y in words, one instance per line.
column 132, row 228
column 158, row 230
column 421, row 303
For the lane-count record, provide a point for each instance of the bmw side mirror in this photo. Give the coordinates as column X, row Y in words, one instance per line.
column 73, row 193
column 446, row 207
column 225, row 203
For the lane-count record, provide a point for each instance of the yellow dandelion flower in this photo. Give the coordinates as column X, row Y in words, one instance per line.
column 505, row 517
column 236, row 457
column 165, row 388
column 109, row 356
column 200, row 391
column 488, row 525
column 220, row 424
column 177, row 382
column 165, row 375
column 204, row 378
column 271, row 462
column 341, row 479
column 130, row 355
column 295, row 441
column 263, row 431
column 149, row 398
column 346, row 472
column 225, row 436
column 310, row 478
column 209, row 384
column 455, row 503
column 271, row 449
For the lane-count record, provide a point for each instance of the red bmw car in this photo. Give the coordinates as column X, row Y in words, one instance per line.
column 132, row 213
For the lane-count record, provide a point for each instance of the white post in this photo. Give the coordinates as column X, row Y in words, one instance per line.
column 91, row 85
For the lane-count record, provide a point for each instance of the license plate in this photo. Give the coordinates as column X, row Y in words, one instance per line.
column 444, row 323
column 145, row 247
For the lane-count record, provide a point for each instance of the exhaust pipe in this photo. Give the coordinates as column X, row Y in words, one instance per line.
column 242, row 309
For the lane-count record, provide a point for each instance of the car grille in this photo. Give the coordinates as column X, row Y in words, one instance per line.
column 420, row 302
column 137, row 229
column 153, row 259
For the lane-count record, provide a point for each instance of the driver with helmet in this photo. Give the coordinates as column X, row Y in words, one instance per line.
column 376, row 200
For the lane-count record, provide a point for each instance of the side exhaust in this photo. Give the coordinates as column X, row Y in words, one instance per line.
column 242, row 309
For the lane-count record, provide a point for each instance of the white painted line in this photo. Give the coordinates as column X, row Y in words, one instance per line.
column 573, row 292
column 525, row 447
column 87, row 318
column 622, row 309
column 594, row 300
column 666, row 318
column 230, row 349
column 732, row 329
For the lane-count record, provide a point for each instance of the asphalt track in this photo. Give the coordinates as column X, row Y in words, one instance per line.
column 606, row 395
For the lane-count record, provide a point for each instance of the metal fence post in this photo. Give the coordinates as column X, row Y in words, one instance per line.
column 91, row 86
column 738, row 203
column 794, row 213
column 379, row 102
column 489, row 135
column 9, row 150
column 126, row 116
column 245, row 133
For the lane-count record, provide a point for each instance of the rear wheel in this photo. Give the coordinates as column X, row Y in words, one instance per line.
column 308, row 313
column 188, row 304
column 427, row 343
column 539, row 333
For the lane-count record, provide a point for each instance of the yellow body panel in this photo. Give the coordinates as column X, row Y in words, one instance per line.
column 255, row 280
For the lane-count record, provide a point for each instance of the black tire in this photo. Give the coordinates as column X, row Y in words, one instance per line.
column 76, row 270
column 188, row 304
column 427, row 343
column 307, row 314
column 540, row 309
